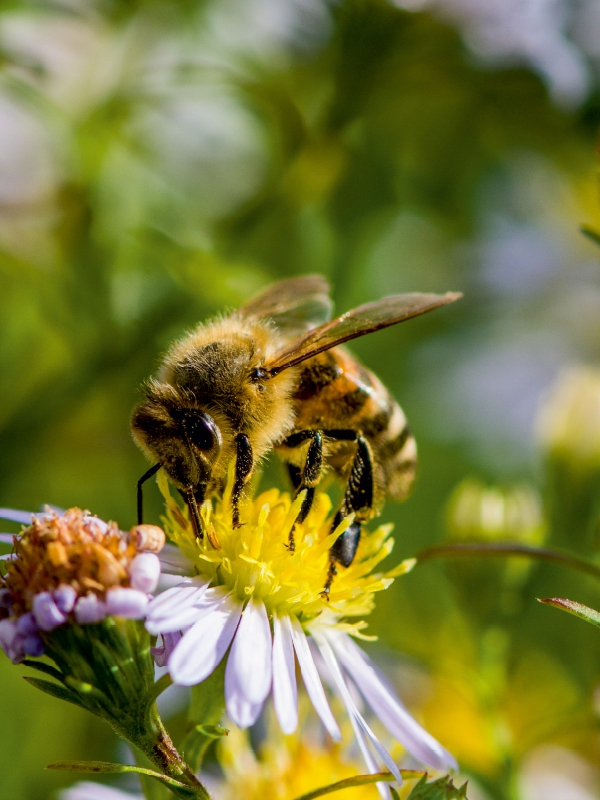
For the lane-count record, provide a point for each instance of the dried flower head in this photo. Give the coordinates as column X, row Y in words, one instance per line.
column 74, row 565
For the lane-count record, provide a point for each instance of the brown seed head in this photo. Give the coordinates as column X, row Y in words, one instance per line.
column 75, row 549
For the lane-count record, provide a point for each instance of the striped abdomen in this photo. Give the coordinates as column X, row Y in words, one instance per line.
column 335, row 391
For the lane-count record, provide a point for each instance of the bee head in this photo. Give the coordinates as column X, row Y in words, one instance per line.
column 185, row 440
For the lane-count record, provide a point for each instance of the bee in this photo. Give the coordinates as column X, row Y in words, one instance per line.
column 273, row 376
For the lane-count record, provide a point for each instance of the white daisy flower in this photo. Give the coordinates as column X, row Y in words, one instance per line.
column 247, row 593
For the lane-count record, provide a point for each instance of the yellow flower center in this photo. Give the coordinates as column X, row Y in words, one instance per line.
column 255, row 560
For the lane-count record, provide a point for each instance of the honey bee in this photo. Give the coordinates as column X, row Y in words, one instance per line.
column 272, row 376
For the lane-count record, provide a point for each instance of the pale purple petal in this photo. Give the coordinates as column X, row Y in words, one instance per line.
column 89, row 609
column 353, row 712
column 10, row 641
column 312, row 682
column 24, row 517
column 27, row 624
column 387, row 707
column 129, row 603
column 7, row 538
column 248, row 671
column 8, row 557
column 65, row 597
column 46, row 612
column 32, row 645
column 162, row 653
column 205, row 644
column 144, row 572
column 285, row 691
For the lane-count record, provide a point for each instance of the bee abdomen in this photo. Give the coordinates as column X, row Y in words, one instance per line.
column 396, row 450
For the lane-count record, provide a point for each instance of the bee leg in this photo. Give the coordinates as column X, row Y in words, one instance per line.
column 358, row 499
column 309, row 476
column 140, row 497
column 295, row 474
column 243, row 469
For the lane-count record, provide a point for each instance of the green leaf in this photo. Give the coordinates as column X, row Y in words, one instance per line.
column 206, row 710
column 573, row 607
column 55, row 690
column 107, row 767
column 591, row 234
column 195, row 743
column 362, row 780
column 45, row 668
column 440, row 789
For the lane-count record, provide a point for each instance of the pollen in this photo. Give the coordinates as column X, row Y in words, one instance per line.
column 255, row 561
column 75, row 550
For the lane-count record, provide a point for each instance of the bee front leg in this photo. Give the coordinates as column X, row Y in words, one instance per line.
column 358, row 499
column 243, row 469
column 309, row 476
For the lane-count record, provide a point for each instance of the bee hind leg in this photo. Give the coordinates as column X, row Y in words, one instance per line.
column 309, row 476
column 358, row 499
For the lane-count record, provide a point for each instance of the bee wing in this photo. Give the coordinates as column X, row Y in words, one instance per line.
column 364, row 319
column 295, row 305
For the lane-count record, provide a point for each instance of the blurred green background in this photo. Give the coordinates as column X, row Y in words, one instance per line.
column 161, row 161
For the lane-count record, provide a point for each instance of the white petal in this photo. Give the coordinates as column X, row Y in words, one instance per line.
column 382, row 788
column 285, row 691
column 353, row 712
column 205, row 644
column 173, row 561
column 174, row 609
column 312, row 682
column 388, row 708
column 248, row 671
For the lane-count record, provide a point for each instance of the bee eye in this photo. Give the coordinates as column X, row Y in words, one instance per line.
column 200, row 431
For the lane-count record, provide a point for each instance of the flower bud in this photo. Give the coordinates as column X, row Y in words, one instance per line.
column 10, row 640
column 27, row 625
column 476, row 512
column 32, row 645
column 65, row 597
column 568, row 421
column 89, row 609
column 148, row 537
column 46, row 612
column 144, row 572
column 128, row 603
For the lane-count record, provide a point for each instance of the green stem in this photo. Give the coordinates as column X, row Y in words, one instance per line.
column 158, row 748
column 504, row 549
column 360, row 780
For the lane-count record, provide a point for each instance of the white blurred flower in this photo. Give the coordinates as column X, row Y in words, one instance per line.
column 88, row 790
